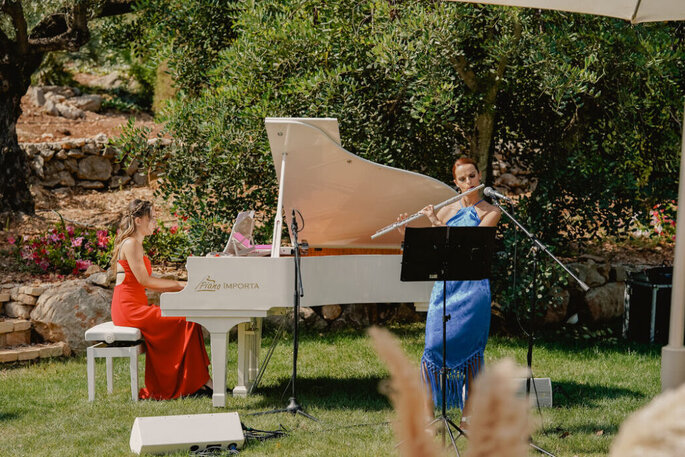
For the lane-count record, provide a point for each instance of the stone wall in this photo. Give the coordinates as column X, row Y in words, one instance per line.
column 88, row 163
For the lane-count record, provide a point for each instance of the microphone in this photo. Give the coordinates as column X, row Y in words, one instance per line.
column 492, row 193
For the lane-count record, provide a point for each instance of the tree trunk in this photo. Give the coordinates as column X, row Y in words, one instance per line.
column 481, row 143
column 15, row 78
column 14, row 170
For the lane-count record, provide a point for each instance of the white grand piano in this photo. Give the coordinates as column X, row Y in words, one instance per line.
column 343, row 199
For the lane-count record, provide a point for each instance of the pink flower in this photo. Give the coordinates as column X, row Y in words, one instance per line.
column 44, row 264
column 77, row 242
column 83, row 264
column 103, row 239
column 70, row 230
column 173, row 229
column 11, row 240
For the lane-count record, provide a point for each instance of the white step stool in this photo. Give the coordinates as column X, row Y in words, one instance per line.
column 113, row 341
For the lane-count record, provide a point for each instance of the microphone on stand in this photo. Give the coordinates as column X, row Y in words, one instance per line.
column 492, row 193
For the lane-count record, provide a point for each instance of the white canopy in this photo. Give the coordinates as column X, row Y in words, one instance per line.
column 672, row 355
column 631, row 10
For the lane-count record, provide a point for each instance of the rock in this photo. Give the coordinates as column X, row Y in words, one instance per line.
column 311, row 319
column 36, row 291
column 18, row 310
column 75, row 154
column 61, row 155
column 100, row 138
column 331, row 312
column 89, row 102
column 355, row 315
column 26, row 299
column 60, row 91
column 594, row 258
column 71, row 164
column 54, row 167
column 90, row 148
column 91, row 184
column 91, row 270
column 65, row 312
column 110, row 81
column 62, row 191
column 118, row 181
column 45, row 151
column 405, row 313
column 37, row 166
column 140, row 179
column 101, row 279
column 556, row 311
column 37, row 96
column 618, row 273
column 590, row 273
column 133, row 167
column 50, row 107
column 68, row 111
column 61, row 178
column 509, row 180
column 94, row 168
column 606, row 302
column 109, row 152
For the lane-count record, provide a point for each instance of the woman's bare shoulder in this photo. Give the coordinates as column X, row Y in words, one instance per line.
column 487, row 207
column 129, row 247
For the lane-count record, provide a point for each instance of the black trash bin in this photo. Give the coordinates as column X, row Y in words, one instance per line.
column 648, row 305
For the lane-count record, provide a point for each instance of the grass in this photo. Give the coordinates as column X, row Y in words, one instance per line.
column 44, row 408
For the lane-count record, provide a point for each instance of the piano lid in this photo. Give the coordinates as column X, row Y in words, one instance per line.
column 343, row 198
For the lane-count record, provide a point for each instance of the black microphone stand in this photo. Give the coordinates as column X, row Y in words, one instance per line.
column 537, row 247
column 293, row 406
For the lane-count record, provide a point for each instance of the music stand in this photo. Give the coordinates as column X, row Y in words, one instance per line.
column 442, row 254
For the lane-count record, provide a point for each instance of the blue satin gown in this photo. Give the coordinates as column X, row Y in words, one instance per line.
column 468, row 304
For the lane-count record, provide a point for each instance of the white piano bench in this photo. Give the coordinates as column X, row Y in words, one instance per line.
column 113, row 341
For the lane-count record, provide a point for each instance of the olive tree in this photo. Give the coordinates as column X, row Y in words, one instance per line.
column 29, row 30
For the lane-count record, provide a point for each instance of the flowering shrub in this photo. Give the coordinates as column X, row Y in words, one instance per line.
column 663, row 219
column 64, row 249
column 168, row 243
column 661, row 225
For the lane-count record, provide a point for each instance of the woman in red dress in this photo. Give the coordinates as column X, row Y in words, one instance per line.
column 176, row 360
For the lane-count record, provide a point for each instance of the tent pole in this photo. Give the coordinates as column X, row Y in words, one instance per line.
column 673, row 355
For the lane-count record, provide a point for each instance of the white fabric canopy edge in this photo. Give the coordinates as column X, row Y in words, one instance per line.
column 635, row 11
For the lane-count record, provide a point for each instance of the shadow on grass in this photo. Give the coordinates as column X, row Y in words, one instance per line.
column 9, row 415
column 326, row 393
column 571, row 394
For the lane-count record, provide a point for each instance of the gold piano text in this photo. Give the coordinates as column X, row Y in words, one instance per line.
column 210, row 285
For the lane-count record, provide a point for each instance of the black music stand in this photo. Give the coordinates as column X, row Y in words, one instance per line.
column 442, row 254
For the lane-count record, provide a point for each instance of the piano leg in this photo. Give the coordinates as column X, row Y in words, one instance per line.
column 218, row 331
column 249, row 342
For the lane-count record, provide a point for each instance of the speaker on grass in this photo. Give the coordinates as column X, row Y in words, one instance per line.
column 196, row 432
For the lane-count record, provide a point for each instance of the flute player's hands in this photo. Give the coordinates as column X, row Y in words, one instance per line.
column 400, row 218
column 429, row 212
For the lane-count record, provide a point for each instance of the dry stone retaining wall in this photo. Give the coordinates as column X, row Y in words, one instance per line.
column 89, row 163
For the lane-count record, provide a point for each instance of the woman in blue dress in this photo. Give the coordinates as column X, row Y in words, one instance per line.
column 468, row 302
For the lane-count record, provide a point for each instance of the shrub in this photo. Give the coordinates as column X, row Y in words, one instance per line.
column 64, row 249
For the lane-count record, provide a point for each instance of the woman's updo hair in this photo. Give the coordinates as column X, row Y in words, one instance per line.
column 127, row 226
column 463, row 161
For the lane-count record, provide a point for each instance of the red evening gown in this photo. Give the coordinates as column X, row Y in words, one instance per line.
column 176, row 360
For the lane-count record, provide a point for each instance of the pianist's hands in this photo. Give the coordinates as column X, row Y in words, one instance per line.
column 180, row 285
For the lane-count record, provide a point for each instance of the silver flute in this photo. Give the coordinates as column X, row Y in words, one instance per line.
column 415, row 216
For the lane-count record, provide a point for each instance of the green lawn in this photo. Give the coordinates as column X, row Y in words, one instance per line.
column 44, row 409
